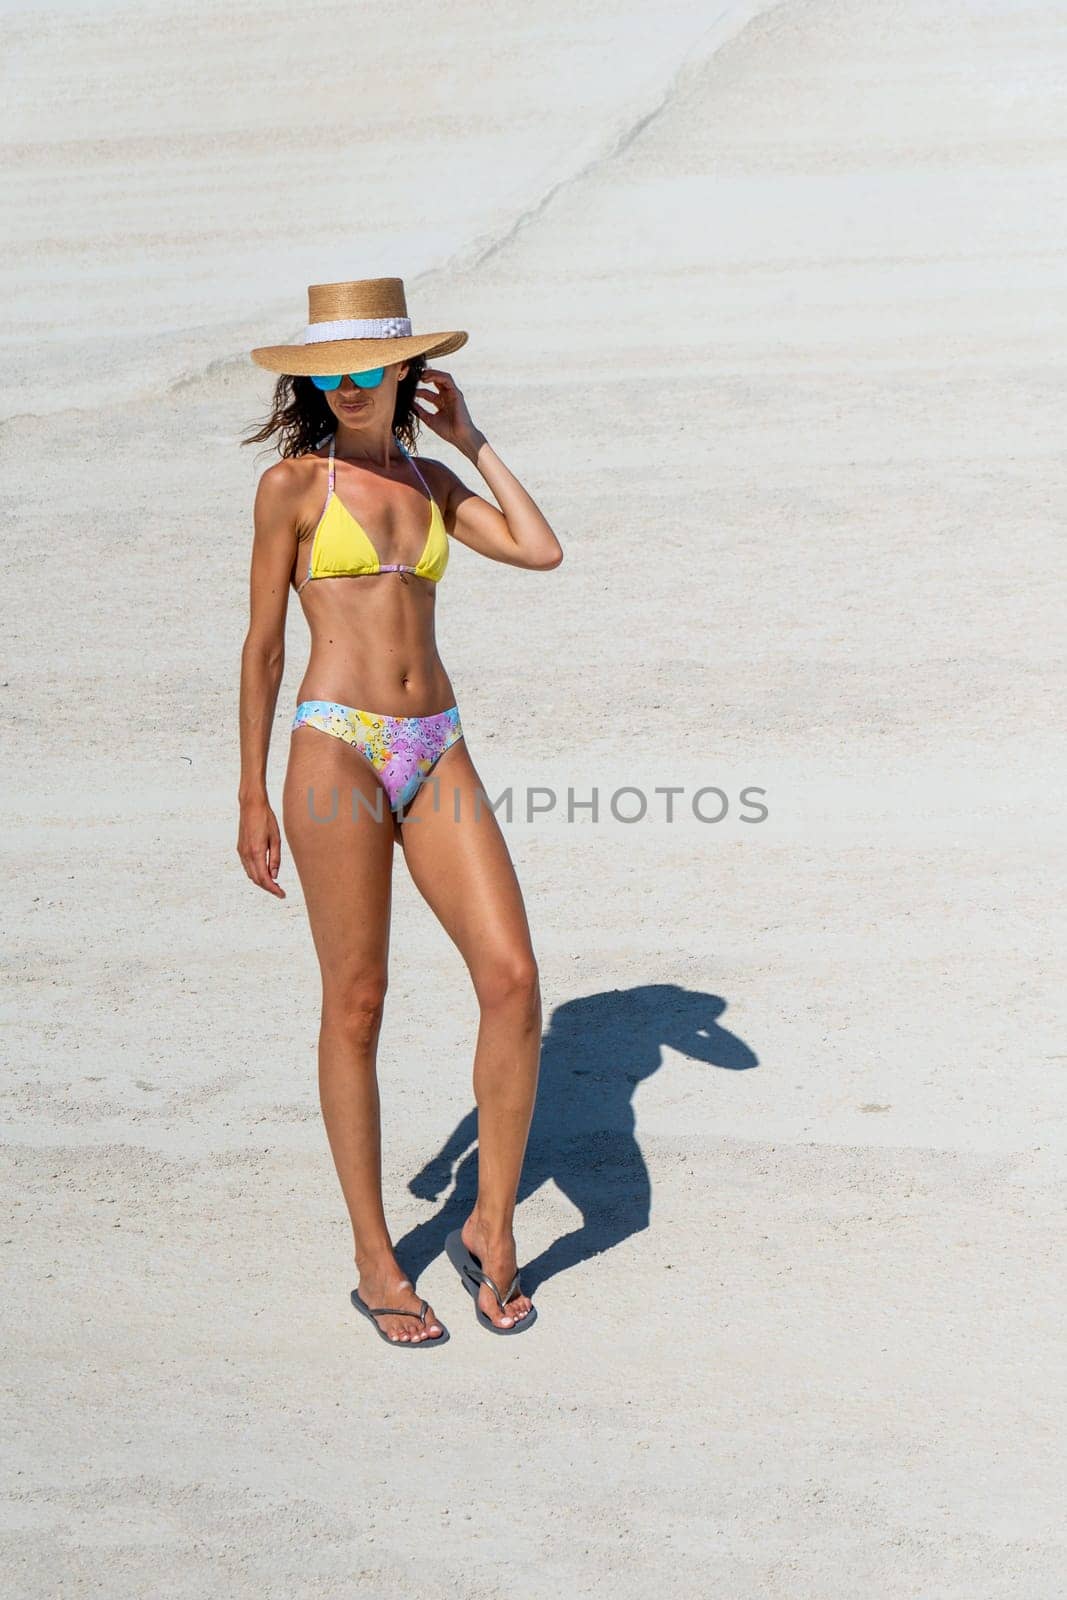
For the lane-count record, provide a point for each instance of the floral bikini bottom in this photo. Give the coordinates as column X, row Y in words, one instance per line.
column 402, row 750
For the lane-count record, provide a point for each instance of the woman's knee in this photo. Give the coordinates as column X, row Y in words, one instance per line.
column 355, row 1006
column 509, row 979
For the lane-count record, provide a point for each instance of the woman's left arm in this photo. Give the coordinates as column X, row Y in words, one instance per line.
column 516, row 533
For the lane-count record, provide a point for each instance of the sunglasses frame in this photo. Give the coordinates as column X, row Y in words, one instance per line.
column 329, row 384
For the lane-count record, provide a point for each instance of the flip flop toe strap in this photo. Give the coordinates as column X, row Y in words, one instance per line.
column 395, row 1311
column 484, row 1277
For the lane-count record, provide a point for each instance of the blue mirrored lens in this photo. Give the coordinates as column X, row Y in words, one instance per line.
column 363, row 380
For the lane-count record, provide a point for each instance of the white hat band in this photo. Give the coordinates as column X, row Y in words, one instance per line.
column 358, row 328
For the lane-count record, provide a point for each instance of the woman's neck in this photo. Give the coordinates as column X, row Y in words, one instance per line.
column 354, row 444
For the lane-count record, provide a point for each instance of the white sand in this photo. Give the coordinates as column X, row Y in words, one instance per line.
column 767, row 307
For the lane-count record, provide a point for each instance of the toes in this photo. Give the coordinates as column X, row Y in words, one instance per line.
column 502, row 1319
column 408, row 1331
column 517, row 1311
column 431, row 1328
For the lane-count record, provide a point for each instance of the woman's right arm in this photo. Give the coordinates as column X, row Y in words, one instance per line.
column 262, row 663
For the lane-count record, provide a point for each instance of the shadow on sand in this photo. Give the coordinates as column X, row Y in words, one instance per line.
column 594, row 1053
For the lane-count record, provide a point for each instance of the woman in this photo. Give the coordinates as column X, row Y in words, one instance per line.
column 342, row 519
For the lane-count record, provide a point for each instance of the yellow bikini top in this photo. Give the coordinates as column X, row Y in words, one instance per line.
column 341, row 548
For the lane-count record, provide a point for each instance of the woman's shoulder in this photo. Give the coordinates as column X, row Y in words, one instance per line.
column 296, row 468
column 289, row 478
column 450, row 491
column 442, row 480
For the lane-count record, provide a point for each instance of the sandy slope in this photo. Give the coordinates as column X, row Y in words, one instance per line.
column 770, row 318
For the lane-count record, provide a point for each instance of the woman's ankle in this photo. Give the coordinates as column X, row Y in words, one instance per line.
column 378, row 1262
column 494, row 1230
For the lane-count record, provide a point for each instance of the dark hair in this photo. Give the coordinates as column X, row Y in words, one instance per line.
column 300, row 414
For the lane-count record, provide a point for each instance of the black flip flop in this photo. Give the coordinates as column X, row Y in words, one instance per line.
column 370, row 1312
column 470, row 1270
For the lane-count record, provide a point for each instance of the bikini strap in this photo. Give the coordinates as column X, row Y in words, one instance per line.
column 415, row 464
column 333, row 443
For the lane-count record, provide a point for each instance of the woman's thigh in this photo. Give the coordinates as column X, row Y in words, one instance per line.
column 343, row 852
column 460, row 863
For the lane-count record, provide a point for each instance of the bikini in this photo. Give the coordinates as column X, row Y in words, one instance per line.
column 402, row 750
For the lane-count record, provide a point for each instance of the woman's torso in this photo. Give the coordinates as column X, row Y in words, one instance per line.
column 373, row 643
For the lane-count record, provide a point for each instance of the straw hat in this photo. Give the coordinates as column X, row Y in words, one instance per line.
column 353, row 327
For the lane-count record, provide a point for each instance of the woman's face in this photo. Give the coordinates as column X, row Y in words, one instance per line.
column 357, row 407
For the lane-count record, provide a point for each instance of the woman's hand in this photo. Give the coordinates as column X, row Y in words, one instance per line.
column 450, row 417
column 259, row 845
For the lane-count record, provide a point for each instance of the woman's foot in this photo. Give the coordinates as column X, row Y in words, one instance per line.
column 496, row 1252
column 389, row 1289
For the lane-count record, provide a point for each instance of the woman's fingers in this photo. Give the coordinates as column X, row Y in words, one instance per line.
column 260, row 849
column 257, row 864
column 263, row 868
column 428, row 414
column 274, row 861
column 438, row 418
column 441, row 381
column 441, row 404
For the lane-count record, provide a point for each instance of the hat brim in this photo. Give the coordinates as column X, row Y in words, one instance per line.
column 352, row 355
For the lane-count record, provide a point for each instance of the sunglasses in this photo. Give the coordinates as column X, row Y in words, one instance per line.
column 362, row 380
